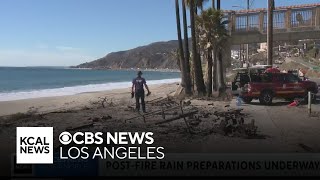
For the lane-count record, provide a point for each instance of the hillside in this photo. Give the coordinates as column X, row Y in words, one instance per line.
column 161, row 55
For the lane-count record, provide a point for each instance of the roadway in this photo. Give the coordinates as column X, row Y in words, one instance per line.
column 281, row 129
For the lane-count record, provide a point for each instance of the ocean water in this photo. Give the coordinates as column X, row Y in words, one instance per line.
column 32, row 82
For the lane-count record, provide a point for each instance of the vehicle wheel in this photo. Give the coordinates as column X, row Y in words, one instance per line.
column 247, row 100
column 266, row 98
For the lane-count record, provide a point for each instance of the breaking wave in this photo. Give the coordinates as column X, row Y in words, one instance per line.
column 10, row 96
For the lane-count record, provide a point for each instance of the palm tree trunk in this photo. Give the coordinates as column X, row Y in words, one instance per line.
column 270, row 32
column 218, row 4
column 222, row 85
column 186, row 49
column 196, row 10
column 221, row 78
column 213, row 4
column 197, row 42
column 182, row 59
column 196, row 61
column 215, row 68
column 197, row 35
column 209, row 75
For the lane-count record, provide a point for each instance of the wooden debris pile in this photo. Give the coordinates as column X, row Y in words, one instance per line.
column 166, row 110
column 166, row 102
column 89, row 123
column 17, row 118
column 232, row 123
column 98, row 119
column 226, row 122
column 103, row 102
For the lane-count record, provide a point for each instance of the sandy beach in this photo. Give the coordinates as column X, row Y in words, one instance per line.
column 277, row 128
column 78, row 101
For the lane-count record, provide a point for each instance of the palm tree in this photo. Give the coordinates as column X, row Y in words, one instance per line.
column 198, row 5
column 212, row 36
column 220, row 68
column 214, row 58
column 204, row 27
column 181, row 54
column 187, row 53
column 196, row 61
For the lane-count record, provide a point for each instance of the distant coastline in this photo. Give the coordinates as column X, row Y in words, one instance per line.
column 157, row 56
column 131, row 69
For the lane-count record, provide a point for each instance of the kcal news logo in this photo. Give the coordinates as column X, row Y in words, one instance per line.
column 34, row 145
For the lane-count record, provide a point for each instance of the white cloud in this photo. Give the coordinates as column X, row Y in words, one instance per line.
column 42, row 58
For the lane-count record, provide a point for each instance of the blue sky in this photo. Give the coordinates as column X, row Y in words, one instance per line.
column 69, row 32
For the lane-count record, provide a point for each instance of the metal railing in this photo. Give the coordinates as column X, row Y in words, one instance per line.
column 301, row 18
column 293, row 18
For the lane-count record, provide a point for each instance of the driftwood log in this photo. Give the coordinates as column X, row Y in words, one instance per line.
column 153, row 113
column 180, row 116
column 80, row 127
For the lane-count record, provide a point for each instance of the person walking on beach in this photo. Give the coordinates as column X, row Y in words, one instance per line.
column 137, row 90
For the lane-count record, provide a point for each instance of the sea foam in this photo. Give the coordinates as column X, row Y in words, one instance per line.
column 11, row 96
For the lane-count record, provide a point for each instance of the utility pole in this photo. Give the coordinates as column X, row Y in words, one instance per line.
column 248, row 7
column 270, row 31
column 240, row 56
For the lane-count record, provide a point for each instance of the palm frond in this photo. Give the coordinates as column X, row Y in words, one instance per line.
column 197, row 3
column 212, row 28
